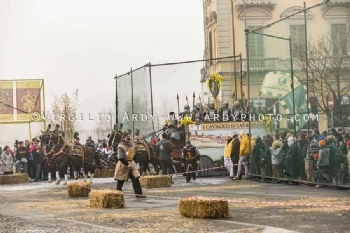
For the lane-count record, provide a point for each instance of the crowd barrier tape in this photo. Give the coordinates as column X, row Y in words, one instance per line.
column 212, row 168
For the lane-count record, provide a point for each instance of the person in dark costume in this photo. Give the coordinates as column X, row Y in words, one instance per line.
column 211, row 114
column 198, row 114
column 225, row 112
column 191, row 159
column 126, row 166
column 48, row 128
column 57, row 129
column 236, row 111
column 186, row 113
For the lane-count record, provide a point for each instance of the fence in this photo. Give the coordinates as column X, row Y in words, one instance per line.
column 151, row 92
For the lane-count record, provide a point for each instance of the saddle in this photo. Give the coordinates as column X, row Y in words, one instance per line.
column 78, row 151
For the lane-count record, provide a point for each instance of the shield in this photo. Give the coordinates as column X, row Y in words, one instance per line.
column 214, row 87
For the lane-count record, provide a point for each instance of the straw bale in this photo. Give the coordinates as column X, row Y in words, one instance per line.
column 160, row 181
column 104, row 173
column 106, row 199
column 18, row 178
column 204, row 208
column 79, row 189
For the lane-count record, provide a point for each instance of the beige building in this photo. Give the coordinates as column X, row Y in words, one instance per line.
column 224, row 25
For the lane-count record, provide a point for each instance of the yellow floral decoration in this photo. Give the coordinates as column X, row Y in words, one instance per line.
column 187, row 121
column 269, row 124
column 215, row 77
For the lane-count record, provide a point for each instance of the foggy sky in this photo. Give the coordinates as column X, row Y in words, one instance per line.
column 84, row 43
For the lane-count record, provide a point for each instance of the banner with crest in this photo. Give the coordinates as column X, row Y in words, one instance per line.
column 28, row 96
column 19, row 99
column 6, row 101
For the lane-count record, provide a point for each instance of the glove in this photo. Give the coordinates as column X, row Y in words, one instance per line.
column 182, row 165
column 198, row 162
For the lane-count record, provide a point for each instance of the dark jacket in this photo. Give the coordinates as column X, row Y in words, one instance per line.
column 165, row 150
column 235, row 150
column 323, row 159
column 21, row 153
column 259, row 148
column 37, row 155
column 292, row 152
column 302, row 151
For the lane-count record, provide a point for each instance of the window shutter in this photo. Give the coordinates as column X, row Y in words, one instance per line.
column 256, row 44
column 297, row 34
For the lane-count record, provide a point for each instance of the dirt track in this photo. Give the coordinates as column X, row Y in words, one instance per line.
column 254, row 207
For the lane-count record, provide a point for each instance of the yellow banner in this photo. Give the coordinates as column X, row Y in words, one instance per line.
column 6, row 101
column 29, row 99
column 232, row 125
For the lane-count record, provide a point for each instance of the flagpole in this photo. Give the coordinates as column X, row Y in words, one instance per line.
column 292, row 77
column 307, row 92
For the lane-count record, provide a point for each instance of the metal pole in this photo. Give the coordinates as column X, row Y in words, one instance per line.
column 234, row 47
column 332, row 119
column 116, row 100
column 43, row 85
column 132, row 104
column 248, row 83
column 30, row 132
column 292, row 77
column 241, row 64
column 150, row 81
column 307, row 93
column 245, row 16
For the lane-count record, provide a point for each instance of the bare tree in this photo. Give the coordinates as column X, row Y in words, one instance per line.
column 105, row 121
column 328, row 67
column 64, row 109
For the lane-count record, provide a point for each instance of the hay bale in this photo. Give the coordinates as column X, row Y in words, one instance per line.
column 104, row 173
column 18, row 178
column 203, row 208
column 106, row 199
column 161, row 181
column 79, row 189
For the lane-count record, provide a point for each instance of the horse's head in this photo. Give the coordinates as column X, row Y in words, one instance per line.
column 54, row 139
column 44, row 139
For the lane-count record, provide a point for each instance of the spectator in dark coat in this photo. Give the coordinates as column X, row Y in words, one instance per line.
column 235, row 153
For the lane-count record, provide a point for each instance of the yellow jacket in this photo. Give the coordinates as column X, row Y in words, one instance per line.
column 227, row 150
column 244, row 147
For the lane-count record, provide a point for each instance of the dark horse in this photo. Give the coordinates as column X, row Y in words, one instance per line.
column 62, row 155
column 145, row 153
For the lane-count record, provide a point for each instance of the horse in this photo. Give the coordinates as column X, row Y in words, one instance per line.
column 146, row 155
column 62, row 155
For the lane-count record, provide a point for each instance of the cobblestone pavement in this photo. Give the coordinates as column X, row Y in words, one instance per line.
column 254, row 207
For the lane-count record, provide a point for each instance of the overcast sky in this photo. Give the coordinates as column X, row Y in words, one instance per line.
column 84, row 43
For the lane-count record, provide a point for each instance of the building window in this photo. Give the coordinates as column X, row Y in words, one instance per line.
column 215, row 46
column 256, row 44
column 339, row 40
column 211, row 48
column 297, row 34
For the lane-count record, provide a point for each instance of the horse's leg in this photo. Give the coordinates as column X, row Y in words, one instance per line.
column 49, row 177
column 58, row 178
column 84, row 174
column 75, row 175
column 65, row 179
column 92, row 173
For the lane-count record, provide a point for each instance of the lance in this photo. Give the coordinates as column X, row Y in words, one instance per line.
column 187, row 100
column 178, row 103
column 194, row 99
column 200, row 99
column 222, row 97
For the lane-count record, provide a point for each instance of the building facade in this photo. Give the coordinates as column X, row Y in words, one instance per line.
column 225, row 22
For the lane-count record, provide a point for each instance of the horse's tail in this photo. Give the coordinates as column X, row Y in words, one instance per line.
column 98, row 160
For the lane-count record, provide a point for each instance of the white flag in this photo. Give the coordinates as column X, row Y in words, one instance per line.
column 278, row 84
